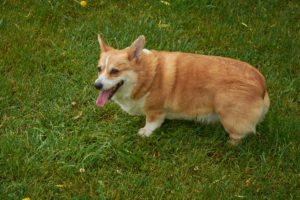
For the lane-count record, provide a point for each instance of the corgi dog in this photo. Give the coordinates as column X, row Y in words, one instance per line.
column 174, row 85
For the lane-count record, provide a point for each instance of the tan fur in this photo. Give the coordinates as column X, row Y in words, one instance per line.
column 192, row 86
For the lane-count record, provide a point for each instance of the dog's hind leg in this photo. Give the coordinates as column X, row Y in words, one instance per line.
column 240, row 117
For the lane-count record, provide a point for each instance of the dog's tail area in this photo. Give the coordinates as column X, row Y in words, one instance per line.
column 265, row 106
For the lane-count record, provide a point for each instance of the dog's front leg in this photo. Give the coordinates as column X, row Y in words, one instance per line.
column 153, row 121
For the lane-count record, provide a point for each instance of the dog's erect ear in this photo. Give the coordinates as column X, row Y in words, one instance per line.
column 102, row 44
column 136, row 48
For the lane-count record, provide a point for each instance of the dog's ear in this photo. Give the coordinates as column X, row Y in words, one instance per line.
column 136, row 48
column 104, row 47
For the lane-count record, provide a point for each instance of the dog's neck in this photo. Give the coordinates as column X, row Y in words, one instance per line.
column 146, row 71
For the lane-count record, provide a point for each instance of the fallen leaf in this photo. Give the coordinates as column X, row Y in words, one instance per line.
column 78, row 116
column 161, row 25
column 196, row 168
column 240, row 196
column 59, row 186
column 165, row 2
column 244, row 24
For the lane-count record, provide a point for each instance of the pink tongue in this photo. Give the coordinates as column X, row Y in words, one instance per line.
column 103, row 98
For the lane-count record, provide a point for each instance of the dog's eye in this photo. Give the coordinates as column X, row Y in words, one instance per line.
column 114, row 71
column 99, row 69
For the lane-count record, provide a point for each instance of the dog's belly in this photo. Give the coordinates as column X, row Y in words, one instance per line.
column 208, row 118
column 137, row 108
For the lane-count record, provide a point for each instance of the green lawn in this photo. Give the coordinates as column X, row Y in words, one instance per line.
column 50, row 127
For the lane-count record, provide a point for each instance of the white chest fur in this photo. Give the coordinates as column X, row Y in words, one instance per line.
column 127, row 104
column 130, row 106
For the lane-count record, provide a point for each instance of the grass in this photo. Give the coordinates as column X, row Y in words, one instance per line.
column 48, row 57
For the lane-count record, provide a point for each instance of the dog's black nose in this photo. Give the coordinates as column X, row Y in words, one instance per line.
column 98, row 86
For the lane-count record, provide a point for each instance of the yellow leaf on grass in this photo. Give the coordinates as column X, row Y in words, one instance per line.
column 244, row 24
column 78, row 116
column 165, row 2
column 161, row 25
column 59, row 186
column 248, row 181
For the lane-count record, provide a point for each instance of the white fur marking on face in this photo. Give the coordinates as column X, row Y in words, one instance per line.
column 102, row 77
column 100, row 63
column 106, row 61
column 147, row 51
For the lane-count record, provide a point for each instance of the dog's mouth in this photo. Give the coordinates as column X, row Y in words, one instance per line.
column 105, row 95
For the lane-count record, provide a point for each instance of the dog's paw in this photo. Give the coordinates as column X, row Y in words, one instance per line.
column 143, row 132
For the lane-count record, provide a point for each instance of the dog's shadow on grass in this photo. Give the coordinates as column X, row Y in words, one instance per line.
column 195, row 134
column 180, row 130
column 175, row 133
column 128, row 125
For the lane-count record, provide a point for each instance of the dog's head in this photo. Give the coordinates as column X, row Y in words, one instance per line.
column 116, row 68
